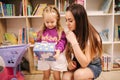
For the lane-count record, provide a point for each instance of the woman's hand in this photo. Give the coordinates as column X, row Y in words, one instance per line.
column 71, row 37
column 72, row 65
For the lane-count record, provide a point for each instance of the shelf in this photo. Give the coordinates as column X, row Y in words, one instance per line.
column 98, row 13
column 100, row 20
column 115, row 69
column 106, row 42
column 116, row 42
column 6, row 17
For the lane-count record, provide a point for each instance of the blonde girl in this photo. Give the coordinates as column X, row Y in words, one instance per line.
column 52, row 32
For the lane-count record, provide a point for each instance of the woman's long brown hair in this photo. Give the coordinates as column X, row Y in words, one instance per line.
column 84, row 31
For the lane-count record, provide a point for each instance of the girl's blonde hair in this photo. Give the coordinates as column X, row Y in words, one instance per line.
column 48, row 10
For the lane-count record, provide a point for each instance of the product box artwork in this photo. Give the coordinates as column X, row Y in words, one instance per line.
column 44, row 51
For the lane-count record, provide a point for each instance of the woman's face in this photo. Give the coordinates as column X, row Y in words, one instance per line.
column 70, row 21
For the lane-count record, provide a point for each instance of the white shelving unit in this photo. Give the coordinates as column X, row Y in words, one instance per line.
column 98, row 19
column 103, row 21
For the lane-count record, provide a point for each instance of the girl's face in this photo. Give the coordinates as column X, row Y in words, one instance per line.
column 70, row 21
column 50, row 20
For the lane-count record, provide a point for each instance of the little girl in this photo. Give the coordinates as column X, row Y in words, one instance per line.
column 52, row 32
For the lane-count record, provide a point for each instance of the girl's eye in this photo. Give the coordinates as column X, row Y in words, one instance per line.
column 52, row 22
column 47, row 22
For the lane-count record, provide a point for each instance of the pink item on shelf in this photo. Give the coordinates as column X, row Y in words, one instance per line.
column 79, row 2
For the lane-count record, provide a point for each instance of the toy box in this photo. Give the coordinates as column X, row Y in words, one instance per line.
column 44, row 51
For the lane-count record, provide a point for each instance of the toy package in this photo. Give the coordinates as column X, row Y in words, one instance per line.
column 44, row 51
column 12, row 56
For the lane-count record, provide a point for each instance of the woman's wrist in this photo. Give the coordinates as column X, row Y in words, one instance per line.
column 73, row 44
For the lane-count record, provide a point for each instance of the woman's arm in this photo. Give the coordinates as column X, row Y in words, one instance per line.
column 83, row 58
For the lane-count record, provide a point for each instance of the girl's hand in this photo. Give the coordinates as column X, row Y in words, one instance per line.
column 72, row 65
column 57, row 53
column 71, row 37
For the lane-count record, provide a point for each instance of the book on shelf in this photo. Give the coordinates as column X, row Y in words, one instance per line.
column 117, row 32
column 1, row 9
column 4, row 10
column 61, row 5
column 22, row 36
column 24, row 7
column 35, row 9
column 116, row 62
column 29, row 9
column 1, row 36
column 40, row 8
column 21, row 9
column 104, row 34
column 106, row 6
column 1, row 14
column 32, row 35
column 106, row 62
column 8, row 9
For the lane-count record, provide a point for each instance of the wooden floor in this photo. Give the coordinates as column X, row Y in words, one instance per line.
column 36, row 77
column 111, row 75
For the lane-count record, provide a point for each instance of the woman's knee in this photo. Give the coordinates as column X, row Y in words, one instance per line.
column 83, row 74
column 67, row 76
column 78, row 75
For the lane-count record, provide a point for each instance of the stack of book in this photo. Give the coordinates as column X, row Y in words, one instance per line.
column 116, row 63
column 7, row 9
column 106, row 62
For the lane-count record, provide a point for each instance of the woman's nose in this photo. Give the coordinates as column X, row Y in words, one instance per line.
column 67, row 23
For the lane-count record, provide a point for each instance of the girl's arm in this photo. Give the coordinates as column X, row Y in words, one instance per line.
column 61, row 43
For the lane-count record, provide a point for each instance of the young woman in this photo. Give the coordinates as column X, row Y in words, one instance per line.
column 84, row 47
column 52, row 32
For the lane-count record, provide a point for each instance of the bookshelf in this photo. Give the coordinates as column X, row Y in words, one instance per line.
column 101, row 21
